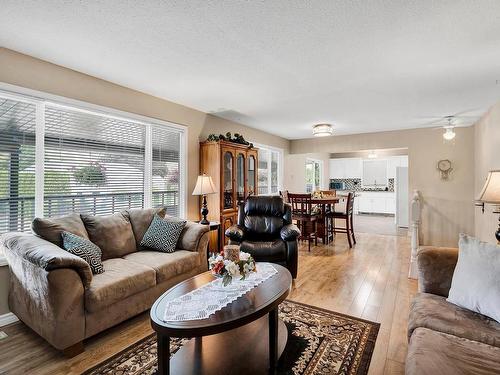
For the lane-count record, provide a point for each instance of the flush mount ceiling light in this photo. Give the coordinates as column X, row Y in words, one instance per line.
column 372, row 155
column 322, row 130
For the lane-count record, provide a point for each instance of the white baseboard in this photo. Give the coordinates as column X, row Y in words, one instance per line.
column 7, row 319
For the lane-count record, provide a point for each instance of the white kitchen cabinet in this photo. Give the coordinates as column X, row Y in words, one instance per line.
column 346, row 168
column 337, row 168
column 374, row 172
column 377, row 202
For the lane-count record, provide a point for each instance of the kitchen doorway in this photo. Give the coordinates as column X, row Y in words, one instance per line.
column 379, row 178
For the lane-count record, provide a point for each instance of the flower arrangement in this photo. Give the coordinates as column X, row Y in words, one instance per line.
column 228, row 269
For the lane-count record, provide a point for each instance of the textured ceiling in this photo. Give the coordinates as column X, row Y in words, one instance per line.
column 281, row 65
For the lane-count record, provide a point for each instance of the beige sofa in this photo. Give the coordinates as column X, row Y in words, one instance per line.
column 444, row 338
column 55, row 292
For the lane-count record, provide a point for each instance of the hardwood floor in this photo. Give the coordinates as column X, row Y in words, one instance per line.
column 369, row 281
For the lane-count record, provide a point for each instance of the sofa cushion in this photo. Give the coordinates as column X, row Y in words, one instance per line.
column 163, row 234
column 433, row 312
column 112, row 233
column 431, row 352
column 476, row 280
column 265, row 251
column 51, row 229
column 166, row 265
column 122, row 279
column 85, row 249
column 141, row 220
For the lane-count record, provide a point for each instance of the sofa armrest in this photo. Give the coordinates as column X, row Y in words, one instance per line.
column 435, row 269
column 194, row 237
column 44, row 254
column 235, row 233
column 289, row 232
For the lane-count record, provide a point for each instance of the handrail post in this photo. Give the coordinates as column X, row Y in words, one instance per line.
column 416, row 207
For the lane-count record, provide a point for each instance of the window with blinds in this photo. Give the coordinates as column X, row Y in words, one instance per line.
column 166, row 169
column 17, row 165
column 93, row 164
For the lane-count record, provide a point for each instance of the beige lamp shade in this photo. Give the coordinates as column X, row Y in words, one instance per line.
column 491, row 189
column 204, row 185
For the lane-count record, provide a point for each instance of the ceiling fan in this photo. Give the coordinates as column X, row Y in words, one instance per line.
column 448, row 123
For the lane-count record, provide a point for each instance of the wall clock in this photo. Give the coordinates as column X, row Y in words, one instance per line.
column 445, row 168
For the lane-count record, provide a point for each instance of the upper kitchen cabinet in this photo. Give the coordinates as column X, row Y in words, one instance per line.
column 374, row 173
column 396, row 161
column 346, row 168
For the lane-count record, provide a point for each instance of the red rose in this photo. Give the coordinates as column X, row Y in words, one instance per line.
column 218, row 267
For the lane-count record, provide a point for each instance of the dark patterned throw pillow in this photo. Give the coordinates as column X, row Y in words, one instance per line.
column 85, row 249
column 163, row 234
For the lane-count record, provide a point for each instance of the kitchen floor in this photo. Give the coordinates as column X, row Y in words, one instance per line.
column 377, row 224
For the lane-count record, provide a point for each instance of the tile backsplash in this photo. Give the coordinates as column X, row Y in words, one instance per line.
column 354, row 184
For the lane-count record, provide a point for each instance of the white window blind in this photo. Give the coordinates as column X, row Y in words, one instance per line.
column 93, row 164
column 96, row 161
column 17, row 165
column 166, row 169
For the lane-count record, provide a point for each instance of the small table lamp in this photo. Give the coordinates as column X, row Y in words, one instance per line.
column 491, row 194
column 204, row 186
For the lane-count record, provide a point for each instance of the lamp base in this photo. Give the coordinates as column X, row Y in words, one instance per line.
column 204, row 211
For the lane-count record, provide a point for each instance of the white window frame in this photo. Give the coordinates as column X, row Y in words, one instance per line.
column 40, row 99
column 280, row 152
column 321, row 171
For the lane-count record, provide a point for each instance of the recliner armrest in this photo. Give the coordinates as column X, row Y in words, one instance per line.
column 44, row 254
column 289, row 232
column 235, row 233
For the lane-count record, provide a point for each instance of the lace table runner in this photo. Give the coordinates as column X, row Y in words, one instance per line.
column 204, row 301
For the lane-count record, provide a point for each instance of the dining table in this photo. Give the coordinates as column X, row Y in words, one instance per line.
column 324, row 202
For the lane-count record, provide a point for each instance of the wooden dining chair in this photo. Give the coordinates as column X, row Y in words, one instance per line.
column 302, row 213
column 347, row 215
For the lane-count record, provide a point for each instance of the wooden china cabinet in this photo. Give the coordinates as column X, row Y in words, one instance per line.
column 233, row 168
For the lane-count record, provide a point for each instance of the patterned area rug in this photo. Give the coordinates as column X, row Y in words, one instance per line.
column 319, row 342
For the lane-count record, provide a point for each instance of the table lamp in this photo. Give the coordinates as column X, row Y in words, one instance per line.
column 204, row 186
column 491, row 194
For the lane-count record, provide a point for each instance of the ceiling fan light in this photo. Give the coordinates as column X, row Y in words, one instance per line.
column 449, row 134
column 322, row 130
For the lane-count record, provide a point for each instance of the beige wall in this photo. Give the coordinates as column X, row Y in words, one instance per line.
column 295, row 171
column 25, row 71
column 487, row 152
column 448, row 205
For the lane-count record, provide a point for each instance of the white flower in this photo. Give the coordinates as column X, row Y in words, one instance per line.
column 244, row 256
column 232, row 268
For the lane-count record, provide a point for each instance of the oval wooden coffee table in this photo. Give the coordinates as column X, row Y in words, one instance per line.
column 245, row 337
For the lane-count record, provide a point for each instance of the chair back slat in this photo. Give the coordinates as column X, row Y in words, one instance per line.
column 349, row 207
column 301, row 203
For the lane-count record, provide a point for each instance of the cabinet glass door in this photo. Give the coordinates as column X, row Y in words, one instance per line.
column 227, row 176
column 240, row 177
column 251, row 175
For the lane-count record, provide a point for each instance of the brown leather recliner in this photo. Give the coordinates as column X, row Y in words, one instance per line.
column 265, row 231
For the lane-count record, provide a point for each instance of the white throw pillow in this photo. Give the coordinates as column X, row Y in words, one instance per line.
column 476, row 280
